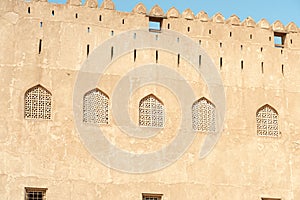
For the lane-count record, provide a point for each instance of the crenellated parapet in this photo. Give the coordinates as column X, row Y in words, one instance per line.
column 188, row 14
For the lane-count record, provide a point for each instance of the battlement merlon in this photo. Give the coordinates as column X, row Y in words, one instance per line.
column 199, row 26
column 187, row 14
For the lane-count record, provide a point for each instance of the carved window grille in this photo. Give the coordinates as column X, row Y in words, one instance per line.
column 37, row 103
column 152, row 112
column 267, row 121
column 204, row 116
column 95, row 107
column 35, row 193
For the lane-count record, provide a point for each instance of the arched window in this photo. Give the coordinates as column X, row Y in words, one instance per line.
column 95, row 107
column 37, row 103
column 267, row 121
column 152, row 112
column 204, row 116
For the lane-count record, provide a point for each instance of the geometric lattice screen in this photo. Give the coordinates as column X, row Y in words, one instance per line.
column 204, row 116
column 267, row 121
column 151, row 112
column 95, row 107
column 37, row 103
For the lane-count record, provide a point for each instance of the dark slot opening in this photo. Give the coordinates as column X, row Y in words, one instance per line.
column 40, row 46
column 87, row 50
column 134, row 55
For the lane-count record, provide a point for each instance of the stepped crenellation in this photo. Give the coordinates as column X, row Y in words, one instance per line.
column 188, row 14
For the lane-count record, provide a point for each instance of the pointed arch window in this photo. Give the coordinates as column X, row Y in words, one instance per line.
column 151, row 112
column 267, row 121
column 204, row 116
column 95, row 107
column 37, row 103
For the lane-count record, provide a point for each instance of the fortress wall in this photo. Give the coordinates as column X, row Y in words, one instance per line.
column 49, row 153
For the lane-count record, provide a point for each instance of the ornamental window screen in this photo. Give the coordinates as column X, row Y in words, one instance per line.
column 95, row 107
column 151, row 112
column 37, row 103
column 35, row 193
column 267, row 121
column 204, row 116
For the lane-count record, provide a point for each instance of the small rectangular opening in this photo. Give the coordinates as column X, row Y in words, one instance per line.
column 156, row 56
column 221, row 62
column 111, row 53
column 134, row 55
column 40, row 46
column 155, row 24
column 87, row 50
column 263, row 198
column 242, row 65
column 178, row 60
column 200, row 61
column 279, row 39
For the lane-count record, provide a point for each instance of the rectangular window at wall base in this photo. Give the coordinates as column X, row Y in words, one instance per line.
column 35, row 193
column 149, row 196
column 266, row 198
